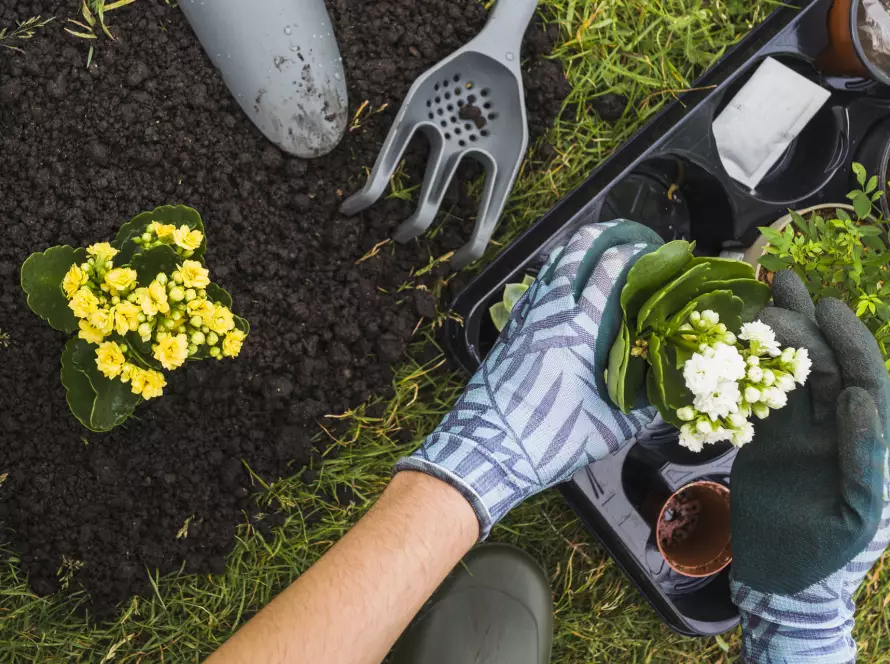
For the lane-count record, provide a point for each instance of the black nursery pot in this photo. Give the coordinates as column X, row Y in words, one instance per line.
column 874, row 155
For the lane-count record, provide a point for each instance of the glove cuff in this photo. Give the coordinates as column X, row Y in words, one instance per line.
column 814, row 626
column 423, row 466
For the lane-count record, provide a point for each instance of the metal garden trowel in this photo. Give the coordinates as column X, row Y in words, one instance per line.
column 281, row 61
column 469, row 105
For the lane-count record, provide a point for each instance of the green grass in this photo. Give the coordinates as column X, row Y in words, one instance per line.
column 648, row 50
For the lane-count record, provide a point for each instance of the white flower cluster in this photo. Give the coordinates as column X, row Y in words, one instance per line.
column 730, row 382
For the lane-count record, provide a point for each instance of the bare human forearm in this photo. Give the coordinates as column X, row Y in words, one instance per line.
column 351, row 606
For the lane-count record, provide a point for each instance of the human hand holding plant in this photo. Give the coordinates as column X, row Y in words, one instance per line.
column 537, row 410
column 140, row 304
column 811, row 496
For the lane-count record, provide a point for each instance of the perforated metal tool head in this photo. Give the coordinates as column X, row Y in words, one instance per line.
column 470, row 105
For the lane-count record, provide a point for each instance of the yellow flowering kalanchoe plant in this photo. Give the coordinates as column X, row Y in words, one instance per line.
column 141, row 305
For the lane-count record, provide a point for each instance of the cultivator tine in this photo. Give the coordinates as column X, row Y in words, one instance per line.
column 435, row 183
column 498, row 184
column 387, row 161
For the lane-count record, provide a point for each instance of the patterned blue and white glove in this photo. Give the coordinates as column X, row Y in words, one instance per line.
column 810, row 494
column 537, row 409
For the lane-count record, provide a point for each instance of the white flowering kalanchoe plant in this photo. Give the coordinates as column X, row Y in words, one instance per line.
column 688, row 332
column 141, row 305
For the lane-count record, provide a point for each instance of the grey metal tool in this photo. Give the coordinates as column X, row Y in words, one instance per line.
column 281, row 61
column 471, row 104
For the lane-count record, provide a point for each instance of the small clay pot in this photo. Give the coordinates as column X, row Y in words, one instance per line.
column 693, row 530
column 845, row 55
column 756, row 250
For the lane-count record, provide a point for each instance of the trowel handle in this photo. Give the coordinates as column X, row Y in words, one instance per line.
column 506, row 26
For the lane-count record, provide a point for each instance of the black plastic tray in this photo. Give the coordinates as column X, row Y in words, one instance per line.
column 677, row 147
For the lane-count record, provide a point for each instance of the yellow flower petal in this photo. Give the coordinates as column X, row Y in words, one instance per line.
column 222, row 320
column 89, row 333
column 121, row 279
column 102, row 251
column 126, row 317
column 83, row 302
column 187, row 238
column 231, row 345
column 172, row 351
column 194, row 275
column 74, row 279
column 109, row 359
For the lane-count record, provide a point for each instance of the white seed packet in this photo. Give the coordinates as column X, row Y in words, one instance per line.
column 759, row 123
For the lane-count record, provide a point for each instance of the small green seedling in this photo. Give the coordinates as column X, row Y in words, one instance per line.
column 500, row 312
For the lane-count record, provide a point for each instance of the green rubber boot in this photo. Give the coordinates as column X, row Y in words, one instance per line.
column 494, row 608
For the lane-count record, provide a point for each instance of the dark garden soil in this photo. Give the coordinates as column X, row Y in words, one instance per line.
column 151, row 123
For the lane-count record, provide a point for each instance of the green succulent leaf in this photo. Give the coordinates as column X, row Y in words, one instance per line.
column 651, row 272
column 722, row 302
column 499, row 316
column 512, row 293
column 41, row 279
column 528, row 280
column 754, row 294
column 672, row 297
column 242, row 324
column 148, row 264
column 220, row 295
column 98, row 402
column 723, row 269
column 142, row 350
column 661, row 380
column 176, row 215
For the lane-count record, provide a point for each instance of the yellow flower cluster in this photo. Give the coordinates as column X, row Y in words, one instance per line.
column 183, row 239
column 173, row 312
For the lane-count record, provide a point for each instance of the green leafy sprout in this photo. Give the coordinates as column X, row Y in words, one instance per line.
column 841, row 255
column 500, row 312
column 140, row 304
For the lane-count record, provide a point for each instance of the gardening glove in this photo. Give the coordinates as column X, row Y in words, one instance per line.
column 810, row 494
column 537, row 409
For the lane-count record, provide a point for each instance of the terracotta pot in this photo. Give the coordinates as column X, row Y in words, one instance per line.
column 756, row 250
column 693, row 530
column 844, row 55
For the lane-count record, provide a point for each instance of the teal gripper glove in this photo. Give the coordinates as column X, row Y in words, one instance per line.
column 537, row 409
column 810, row 494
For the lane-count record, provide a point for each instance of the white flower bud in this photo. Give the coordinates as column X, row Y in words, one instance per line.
column 753, row 361
column 687, row 413
column 694, row 317
column 775, row 398
column 720, row 329
column 761, row 410
column 686, row 327
column 703, row 426
column 752, row 394
column 729, row 339
column 710, row 317
column 768, row 377
column 787, row 355
column 785, row 382
column 755, row 375
column 736, row 419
